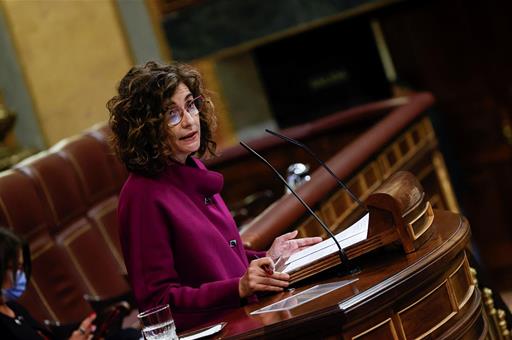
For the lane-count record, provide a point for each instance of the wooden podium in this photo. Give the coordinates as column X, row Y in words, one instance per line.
column 415, row 281
column 428, row 293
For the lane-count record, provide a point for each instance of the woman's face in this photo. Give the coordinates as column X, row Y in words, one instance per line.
column 8, row 282
column 185, row 137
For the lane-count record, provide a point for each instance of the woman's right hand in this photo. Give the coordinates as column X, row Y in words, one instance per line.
column 257, row 279
column 86, row 329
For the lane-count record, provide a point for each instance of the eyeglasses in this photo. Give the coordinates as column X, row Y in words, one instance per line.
column 192, row 106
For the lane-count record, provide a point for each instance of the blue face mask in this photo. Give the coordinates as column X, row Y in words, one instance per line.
column 18, row 287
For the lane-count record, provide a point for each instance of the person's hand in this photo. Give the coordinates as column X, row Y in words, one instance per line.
column 86, row 329
column 286, row 245
column 257, row 279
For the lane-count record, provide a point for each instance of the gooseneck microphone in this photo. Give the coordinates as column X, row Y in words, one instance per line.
column 343, row 256
column 321, row 162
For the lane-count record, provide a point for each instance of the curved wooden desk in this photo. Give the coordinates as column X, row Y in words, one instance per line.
column 426, row 294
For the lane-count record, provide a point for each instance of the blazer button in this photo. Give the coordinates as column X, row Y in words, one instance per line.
column 232, row 243
column 207, row 200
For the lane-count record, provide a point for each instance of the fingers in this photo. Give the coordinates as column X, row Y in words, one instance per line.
column 265, row 263
column 268, row 288
column 86, row 328
column 268, row 283
column 306, row 241
column 292, row 246
column 87, row 322
column 256, row 279
column 289, row 239
column 286, row 245
column 257, row 269
column 261, row 261
column 288, row 236
column 271, row 281
column 281, row 276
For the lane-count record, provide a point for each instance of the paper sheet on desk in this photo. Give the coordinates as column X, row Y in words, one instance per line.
column 355, row 233
column 204, row 332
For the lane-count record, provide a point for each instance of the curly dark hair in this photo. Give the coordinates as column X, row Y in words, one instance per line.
column 140, row 133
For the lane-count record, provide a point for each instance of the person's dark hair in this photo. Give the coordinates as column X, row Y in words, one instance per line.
column 10, row 245
column 137, row 119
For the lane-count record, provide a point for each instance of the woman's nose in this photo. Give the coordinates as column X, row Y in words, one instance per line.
column 187, row 119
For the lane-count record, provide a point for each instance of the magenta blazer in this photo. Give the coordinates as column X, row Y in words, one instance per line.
column 180, row 244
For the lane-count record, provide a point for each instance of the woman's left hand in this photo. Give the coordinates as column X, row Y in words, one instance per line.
column 287, row 244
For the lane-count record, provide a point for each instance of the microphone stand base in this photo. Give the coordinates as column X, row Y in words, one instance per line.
column 348, row 269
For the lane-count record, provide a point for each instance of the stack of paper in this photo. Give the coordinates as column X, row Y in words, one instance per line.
column 324, row 255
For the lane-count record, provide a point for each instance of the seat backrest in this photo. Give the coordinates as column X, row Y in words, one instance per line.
column 21, row 208
column 104, row 217
column 58, row 185
column 56, row 282
column 102, row 133
column 55, row 291
column 91, row 163
column 70, row 227
column 98, row 181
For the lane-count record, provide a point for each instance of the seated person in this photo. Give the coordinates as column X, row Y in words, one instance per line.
column 15, row 321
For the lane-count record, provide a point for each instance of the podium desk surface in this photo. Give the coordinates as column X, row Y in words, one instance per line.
column 426, row 293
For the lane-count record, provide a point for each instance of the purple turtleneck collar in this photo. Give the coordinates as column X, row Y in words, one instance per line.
column 194, row 176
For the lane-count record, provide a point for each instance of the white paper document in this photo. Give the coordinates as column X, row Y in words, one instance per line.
column 204, row 332
column 355, row 233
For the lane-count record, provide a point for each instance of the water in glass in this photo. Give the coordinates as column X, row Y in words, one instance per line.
column 162, row 331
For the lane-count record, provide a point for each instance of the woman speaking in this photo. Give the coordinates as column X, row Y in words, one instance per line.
column 180, row 244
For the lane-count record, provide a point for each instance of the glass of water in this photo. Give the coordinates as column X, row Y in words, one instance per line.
column 158, row 324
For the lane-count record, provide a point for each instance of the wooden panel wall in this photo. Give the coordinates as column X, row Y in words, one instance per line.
column 460, row 51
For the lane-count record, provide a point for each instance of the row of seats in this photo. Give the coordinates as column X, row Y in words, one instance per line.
column 63, row 201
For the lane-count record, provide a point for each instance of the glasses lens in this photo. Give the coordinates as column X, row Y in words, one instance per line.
column 198, row 102
column 194, row 106
column 174, row 116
